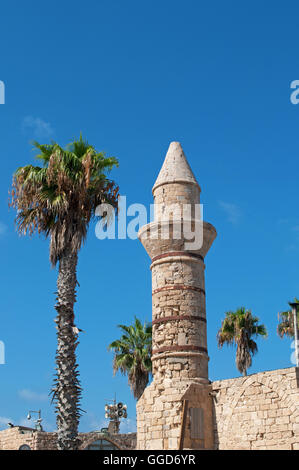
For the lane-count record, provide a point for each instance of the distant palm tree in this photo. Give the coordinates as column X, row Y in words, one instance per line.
column 238, row 328
column 59, row 199
column 286, row 323
column 132, row 355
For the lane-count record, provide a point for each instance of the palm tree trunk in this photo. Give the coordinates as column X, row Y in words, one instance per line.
column 67, row 390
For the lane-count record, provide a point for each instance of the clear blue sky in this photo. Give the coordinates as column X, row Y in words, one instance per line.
column 133, row 76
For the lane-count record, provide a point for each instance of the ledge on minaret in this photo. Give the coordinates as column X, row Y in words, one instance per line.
column 175, row 168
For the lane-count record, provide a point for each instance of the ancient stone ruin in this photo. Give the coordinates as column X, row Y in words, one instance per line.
column 182, row 409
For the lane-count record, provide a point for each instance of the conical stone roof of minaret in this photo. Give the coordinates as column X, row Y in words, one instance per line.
column 175, row 168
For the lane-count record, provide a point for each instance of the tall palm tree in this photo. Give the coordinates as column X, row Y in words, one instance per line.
column 59, row 199
column 132, row 355
column 238, row 328
column 286, row 323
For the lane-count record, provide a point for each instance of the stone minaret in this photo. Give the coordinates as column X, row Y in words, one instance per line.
column 176, row 409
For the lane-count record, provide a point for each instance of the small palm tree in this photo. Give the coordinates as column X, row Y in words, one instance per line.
column 132, row 355
column 238, row 328
column 286, row 323
column 59, row 199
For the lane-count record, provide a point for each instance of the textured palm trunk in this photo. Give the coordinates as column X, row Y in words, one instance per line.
column 139, row 383
column 67, row 389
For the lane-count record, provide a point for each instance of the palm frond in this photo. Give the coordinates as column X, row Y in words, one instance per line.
column 238, row 328
column 60, row 198
column 132, row 354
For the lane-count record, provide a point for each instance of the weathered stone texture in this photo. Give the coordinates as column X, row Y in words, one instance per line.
column 260, row 411
column 14, row 438
column 175, row 168
column 159, row 413
column 179, row 356
column 178, row 286
column 256, row 412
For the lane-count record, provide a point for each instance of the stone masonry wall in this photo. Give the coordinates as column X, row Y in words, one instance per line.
column 260, row 411
column 179, row 317
column 123, row 441
column 170, row 203
column 159, row 412
column 13, row 438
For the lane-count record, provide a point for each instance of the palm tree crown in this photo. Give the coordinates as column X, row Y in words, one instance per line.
column 238, row 328
column 59, row 199
column 286, row 323
column 132, row 355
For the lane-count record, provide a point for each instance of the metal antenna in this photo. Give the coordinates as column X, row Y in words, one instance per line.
column 38, row 422
column 115, row 412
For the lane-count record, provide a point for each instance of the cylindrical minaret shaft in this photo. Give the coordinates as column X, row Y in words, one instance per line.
column 178, row 287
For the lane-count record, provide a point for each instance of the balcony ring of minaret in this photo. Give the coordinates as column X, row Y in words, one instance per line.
column 178, row 285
